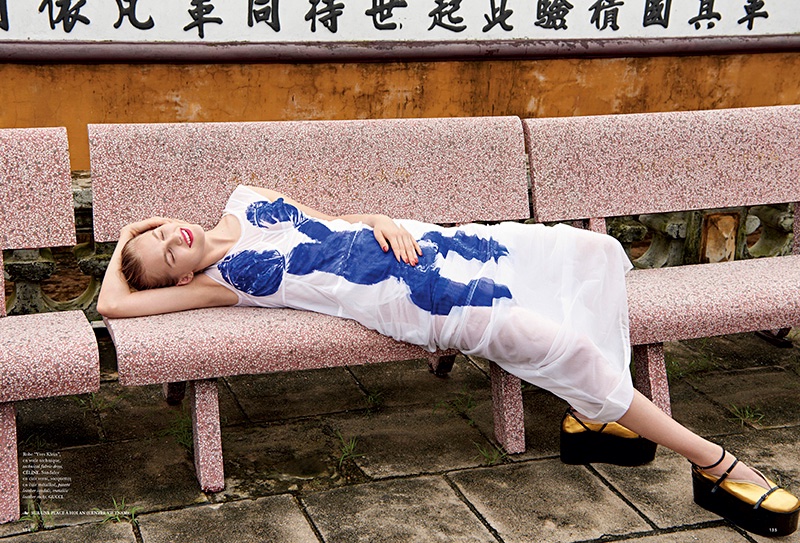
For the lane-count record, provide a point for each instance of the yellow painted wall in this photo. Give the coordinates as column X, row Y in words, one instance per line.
column 74, row 95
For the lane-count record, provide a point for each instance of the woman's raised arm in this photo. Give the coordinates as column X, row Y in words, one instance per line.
column 118, row 300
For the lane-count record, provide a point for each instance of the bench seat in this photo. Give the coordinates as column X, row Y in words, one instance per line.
column 225, row 341
column 47, row 354
column 703, row 300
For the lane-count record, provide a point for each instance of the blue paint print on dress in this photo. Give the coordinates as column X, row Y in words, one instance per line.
column 258, row 273
column 356, row 256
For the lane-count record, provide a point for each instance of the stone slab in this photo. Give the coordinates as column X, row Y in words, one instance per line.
column 432, row 170
column 546, row 501
column 287, row 395
column 276, row 519
column 662, row 490
column 411, row 441
column 774, row 392
column 296, row 456
column 152, row 475
column 410, row 382
column 52, row 423
column 107, row 532
column 706, row 535
column 576, row 172
column 698, row 413
column 740, row 351
column 424, row 509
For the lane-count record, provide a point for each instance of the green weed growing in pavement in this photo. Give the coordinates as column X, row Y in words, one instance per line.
column 375, row 401
column 94, row 402
column 35, row 442
column 462, row 404
column 121, row 513
column 347, row 448
column 492, row 454
column 35, row 517
column 680, row 367
column 746, row 414
column 181, row 430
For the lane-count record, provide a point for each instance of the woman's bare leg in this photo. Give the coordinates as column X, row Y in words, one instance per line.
column 647, row 420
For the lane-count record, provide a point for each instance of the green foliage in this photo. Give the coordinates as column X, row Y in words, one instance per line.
column 491, row 454
column 347, row 448
column 36, row 518
column 375, row 401
column 121, row 512
column 181, row 429
column 462, row 404
column 746, row 414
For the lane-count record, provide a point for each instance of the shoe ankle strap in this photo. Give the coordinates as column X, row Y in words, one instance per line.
column 715, row 464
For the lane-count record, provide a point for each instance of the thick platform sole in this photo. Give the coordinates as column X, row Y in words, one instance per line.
column 758, row 521
column 596, row 447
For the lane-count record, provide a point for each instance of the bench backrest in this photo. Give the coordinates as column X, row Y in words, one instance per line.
column 36, row 208
column 605, row 166
column 449, row 170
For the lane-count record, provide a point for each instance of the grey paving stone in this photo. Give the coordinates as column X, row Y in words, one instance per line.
column 698, row 413
column 411, row 440
column 411, row 383
column 288, row 395
column 705, row 535
column 738, row 351
column 276, row 519
column 772, row 392
column 52, row 423
column 96, row 533
column 546, row 501
column 149, row 474
column 662, row 490
column 422, row 509
column 260, row 461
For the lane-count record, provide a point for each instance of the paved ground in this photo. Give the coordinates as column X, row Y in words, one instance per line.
column 390, row 453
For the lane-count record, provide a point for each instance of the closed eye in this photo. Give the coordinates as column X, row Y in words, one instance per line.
column 169, row 258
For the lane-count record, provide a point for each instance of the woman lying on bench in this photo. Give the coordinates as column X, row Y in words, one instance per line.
column 547, row 304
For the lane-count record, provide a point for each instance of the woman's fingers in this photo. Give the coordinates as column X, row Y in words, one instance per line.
column 139, row 227
column 403, row 245
column 381, row 239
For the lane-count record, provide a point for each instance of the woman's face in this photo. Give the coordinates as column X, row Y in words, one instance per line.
column 173, row 250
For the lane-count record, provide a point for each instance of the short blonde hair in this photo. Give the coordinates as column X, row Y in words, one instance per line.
column 135, row 273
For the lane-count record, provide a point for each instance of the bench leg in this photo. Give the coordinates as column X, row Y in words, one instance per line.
column 204, row 401
column 651, row 374
column 509, row 418
column 174, row 392
column 9, row 471
column 441, row 366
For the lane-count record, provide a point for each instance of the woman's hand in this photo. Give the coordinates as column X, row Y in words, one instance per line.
column 132, row 230
column 389, row 234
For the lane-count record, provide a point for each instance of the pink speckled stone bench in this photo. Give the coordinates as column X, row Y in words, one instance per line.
column 42, row 355
column 435, row 170
column 605, row 166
